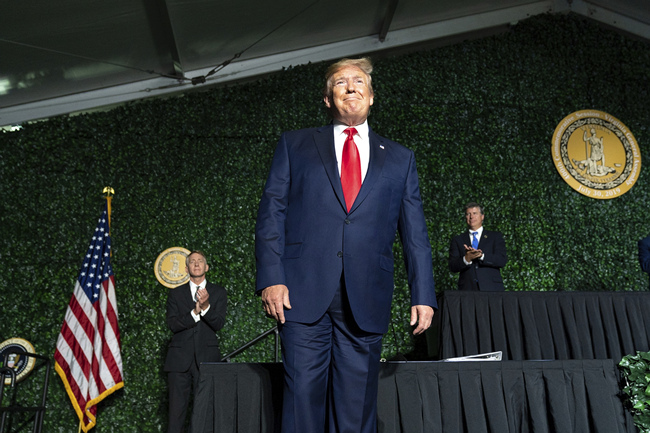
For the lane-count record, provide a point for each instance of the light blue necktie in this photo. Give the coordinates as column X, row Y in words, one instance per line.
column 474, row 240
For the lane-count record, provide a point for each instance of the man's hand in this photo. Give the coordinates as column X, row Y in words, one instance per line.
column 274, row 300
column 202, row 301
column 471, row 253
column 422, row 315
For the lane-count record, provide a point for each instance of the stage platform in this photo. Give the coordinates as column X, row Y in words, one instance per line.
column 425, row 397
column 558, row 372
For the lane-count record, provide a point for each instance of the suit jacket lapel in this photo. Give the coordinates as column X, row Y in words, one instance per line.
column 484, row 239
column 324, row 139
column 378, row 153
column 188, row 294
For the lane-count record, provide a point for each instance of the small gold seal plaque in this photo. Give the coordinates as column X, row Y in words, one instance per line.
column 596, row 154
column 21, row 364
column 170, row 267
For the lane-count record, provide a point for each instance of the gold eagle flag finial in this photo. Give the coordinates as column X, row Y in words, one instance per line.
column 108, row 191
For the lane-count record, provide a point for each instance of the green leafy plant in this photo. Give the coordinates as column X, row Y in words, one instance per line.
column 636, row 372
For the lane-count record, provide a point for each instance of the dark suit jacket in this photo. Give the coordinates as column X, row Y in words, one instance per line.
column 193, row 339
column 305, row 238
column 484, row 274
column 644, row 254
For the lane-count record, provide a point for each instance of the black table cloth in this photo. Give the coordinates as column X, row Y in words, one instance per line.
column 430, row 397
column 238, row 398
column 544, row 325
column 502, row 396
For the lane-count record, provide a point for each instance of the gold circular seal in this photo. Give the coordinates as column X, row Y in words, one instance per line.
column 21, row 364
column 596, row 154
column 170, row 267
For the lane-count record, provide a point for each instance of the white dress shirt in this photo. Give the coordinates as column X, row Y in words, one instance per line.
column 194, row 288
column 471, row 238
column 361, row 139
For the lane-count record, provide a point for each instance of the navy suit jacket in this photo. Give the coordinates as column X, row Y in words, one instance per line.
column 306, row 240
column 644, row 254
column 193, row 339
column 484, row 275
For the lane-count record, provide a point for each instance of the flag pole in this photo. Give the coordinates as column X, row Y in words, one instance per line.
column 92, row 311
column 108, row 195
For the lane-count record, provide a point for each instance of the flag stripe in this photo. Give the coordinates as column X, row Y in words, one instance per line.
column 87, row 356
column 67, row 353
column 62, row 364
column 84, row 315
column 110, row 340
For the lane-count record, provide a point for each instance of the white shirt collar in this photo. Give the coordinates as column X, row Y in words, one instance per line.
column 479, row 230
column 193, row 286
column 362, row 129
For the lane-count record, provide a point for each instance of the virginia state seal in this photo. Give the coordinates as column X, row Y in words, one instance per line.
column 596, row 154
column 170, row 267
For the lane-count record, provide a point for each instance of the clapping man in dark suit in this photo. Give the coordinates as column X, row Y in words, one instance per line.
column 334, row 199
column 478, row 254
column 195, row 311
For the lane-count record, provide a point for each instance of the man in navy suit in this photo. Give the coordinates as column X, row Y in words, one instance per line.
column 325, row 261
column 478, row 254
column 195, row 311
column 644, row 254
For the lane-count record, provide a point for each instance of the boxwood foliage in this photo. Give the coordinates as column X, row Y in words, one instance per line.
column 188, row 171
column 635, row 370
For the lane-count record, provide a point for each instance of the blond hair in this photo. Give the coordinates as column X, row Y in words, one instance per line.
column 363, row 63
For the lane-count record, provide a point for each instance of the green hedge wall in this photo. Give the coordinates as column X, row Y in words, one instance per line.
column 188, row 171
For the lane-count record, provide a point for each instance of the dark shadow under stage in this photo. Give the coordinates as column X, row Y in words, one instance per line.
column 569, row 396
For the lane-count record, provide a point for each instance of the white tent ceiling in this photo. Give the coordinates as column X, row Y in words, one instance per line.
column 69, row 55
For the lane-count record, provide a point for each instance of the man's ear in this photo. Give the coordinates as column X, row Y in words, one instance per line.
column 327, row 101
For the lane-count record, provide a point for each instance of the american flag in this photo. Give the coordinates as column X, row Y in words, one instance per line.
column 87, row 355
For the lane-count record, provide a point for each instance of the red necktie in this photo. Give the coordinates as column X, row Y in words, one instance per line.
column 350, row 169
